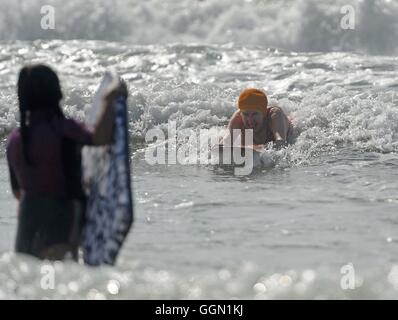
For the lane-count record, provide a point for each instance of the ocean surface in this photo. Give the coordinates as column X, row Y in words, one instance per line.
column 290, row 228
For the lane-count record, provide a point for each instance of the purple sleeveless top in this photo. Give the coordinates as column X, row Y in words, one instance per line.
column 45, row 176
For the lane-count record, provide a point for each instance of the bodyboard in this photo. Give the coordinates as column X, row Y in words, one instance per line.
column 106, row 179
column 230, row 155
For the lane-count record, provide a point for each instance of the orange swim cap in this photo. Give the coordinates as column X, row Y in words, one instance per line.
column 253, row 99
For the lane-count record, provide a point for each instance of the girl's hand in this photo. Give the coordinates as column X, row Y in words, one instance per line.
column 117, row 90
column 105, row 123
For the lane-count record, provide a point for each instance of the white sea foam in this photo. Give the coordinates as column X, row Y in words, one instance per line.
column 304, row 25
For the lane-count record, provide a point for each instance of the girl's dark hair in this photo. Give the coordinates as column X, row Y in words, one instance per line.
column 38, row 89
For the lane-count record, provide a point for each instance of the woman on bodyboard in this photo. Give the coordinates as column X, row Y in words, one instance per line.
column 268, row 123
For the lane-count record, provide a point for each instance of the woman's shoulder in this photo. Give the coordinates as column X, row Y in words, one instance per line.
column 274, row 109
column 236, row 120
column 276, row 112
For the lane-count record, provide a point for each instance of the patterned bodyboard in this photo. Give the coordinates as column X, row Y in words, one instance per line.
column 106, row 178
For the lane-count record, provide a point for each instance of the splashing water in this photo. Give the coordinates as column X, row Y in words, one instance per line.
column 292, row 25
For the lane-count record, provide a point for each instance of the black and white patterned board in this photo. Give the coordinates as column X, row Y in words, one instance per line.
column 106, row 176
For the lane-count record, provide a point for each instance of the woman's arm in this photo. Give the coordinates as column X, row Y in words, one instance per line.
column 234, row 124
column 279, row 127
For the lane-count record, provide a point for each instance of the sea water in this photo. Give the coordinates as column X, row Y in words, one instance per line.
column 320, row 211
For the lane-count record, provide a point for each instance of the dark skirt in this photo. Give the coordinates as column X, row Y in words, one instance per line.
column 47, row 221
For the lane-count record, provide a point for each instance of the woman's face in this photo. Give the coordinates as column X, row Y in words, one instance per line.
column 253, row 119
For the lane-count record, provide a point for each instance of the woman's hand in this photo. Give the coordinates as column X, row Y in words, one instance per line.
column 279, row 144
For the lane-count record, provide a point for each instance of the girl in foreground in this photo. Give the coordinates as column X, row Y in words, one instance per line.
column 44, row 161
